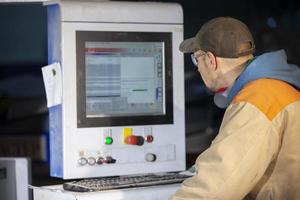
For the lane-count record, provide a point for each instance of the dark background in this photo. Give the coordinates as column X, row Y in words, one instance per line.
column 23, row 51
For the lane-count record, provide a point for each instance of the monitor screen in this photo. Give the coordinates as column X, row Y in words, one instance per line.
column 123, row 78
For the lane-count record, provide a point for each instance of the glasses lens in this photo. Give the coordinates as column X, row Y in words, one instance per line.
column 194, row 60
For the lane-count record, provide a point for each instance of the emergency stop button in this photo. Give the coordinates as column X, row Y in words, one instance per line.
column 134, row 140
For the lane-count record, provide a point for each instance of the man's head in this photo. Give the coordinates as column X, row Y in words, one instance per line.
column 221, row 45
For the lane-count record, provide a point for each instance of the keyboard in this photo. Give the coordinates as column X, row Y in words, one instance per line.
column 120, row 182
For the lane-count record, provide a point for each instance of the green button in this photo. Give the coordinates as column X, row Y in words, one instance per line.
column 108, row 140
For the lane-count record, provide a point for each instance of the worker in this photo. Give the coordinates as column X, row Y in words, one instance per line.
column 256, row 153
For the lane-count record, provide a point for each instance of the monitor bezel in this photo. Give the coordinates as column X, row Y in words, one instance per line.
column 109, row 36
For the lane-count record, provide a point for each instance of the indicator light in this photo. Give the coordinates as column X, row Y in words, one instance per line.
column 108, row 140
column 149, row 138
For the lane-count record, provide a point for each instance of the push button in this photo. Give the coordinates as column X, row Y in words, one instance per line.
column 107, row 136
column 91, row 160
column 134, row 140
column 150, row 157
column 149, row 138
column 82, row 161
column 108, row 140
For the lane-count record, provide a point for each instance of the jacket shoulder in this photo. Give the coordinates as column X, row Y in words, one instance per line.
column 270, row 96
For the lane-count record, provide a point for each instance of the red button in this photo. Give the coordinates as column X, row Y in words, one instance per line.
column 132, row 139
column 149, row 138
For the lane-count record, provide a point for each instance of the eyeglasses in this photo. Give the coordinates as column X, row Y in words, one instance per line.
column 194, row 58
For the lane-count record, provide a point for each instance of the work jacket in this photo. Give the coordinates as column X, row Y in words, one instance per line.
column 256, row 154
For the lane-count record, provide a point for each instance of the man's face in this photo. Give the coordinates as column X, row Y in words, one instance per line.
column 205, row 68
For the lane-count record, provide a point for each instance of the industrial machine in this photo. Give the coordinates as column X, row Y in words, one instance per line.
column 122, row 109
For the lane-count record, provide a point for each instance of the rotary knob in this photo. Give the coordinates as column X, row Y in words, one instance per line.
column 110, row 160
column 100, row 160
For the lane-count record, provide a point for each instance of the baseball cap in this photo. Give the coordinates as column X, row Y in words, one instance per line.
column 223, row 36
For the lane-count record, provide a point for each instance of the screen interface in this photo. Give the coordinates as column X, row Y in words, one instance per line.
column 124, row 78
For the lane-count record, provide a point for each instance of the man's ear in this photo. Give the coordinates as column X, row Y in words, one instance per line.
column 211, row 60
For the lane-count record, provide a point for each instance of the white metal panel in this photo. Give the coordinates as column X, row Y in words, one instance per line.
column 78, row 139
column 120, row 12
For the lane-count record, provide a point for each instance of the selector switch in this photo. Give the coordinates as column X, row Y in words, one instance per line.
column 100, row 160
column 150, row 157
column 82, row 161
column 110, row 160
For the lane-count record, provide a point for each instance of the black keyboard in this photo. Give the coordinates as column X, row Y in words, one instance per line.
column 119, row 182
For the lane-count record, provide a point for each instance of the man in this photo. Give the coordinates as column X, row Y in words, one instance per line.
column 256, row 154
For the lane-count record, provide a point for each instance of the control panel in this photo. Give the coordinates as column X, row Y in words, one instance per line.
column 112, row 150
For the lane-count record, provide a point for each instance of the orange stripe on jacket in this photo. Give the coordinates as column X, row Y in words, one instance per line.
column 269, row 95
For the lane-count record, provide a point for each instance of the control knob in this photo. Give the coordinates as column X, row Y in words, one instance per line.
column 100, row 160
column 110, row 160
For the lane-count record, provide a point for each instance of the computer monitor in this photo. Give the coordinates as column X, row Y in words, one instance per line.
column 124, row 78
column 122, row 108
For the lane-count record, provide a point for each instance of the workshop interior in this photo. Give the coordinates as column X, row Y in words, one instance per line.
column 144, row 110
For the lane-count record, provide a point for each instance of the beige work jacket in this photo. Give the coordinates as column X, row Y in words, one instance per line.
column 256, row 154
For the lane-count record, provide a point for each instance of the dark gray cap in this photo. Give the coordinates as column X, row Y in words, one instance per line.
column 223, row 36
